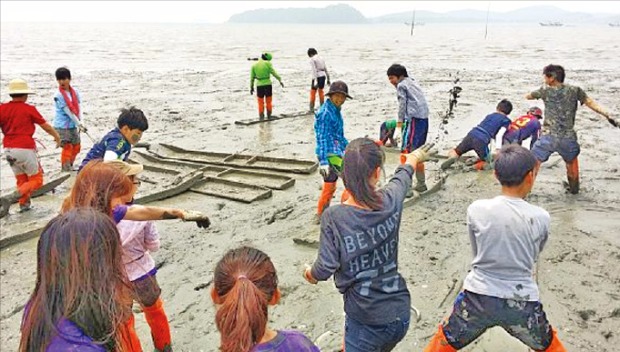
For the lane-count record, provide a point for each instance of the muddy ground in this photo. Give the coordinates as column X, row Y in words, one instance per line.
column 192, row 94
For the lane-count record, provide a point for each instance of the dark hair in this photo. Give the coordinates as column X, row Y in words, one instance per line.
column 555, row 71
column 81, row 278
column 397, row 70
column 245, row 281
column 312, row 52
column 361, row 158
column 96, row 185
column 63, row 73
column 133, row 118
column 504, row 106
column 17, row 95
column 512, row 165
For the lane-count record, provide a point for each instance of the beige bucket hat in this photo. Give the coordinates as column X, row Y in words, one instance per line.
column 19, row 86
column 126, row 168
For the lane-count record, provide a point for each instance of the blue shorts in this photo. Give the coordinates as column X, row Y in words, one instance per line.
column 360, row 337
column 568, row 148
column 471, row 142
column 414, row 134
column 473, row 314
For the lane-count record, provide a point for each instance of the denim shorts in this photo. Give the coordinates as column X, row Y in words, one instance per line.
column 360, row 337
column 473, row 314
column 568, row 148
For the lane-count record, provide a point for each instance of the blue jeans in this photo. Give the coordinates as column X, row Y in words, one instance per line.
column 360, row 337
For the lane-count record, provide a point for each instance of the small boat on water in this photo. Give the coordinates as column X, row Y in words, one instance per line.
column 551, row 24
column 617, row 24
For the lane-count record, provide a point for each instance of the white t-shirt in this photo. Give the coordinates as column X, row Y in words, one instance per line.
column 318, row 67
column 507, row 235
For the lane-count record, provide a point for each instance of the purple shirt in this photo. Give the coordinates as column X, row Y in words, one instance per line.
column 286, row 341
column 71, row 338
column 119, row 212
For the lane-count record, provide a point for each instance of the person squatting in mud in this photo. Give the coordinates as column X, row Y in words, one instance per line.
column 412, row 117
column 479, row 137
column 17, row 121
column 524, row 127
column 82, row 297
column 330, row 142
column 116, row 144
column 507, row 235
column 386, row 133
column 359, row 247
column 559, row 124
column 69, row 120
column 245, row 283
column 319, row 77
column 262, row 72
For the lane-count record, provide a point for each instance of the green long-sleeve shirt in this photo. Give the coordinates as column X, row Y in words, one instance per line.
column 262, row 71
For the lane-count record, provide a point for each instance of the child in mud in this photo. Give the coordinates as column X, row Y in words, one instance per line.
column 262, row 72
column 558, row 127
column 18, row 121
column 319, row 75
column 359, row 247
column 245, row 283
column 412, row 117
column 479, row 137
column 116, row 144
column 69, row 120
column 524, row 127
column 81, row 300
column 386, row 133
column 138, row 238
column 507, row 235
column 330, row 141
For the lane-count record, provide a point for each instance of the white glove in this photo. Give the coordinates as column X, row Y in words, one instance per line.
column 324, row 170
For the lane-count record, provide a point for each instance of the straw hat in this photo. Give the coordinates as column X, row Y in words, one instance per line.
column 19, row 86
column 126, row 168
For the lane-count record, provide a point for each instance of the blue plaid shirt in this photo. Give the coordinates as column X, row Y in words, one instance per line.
column 329, row 132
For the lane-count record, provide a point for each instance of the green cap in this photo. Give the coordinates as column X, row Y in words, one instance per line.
column 267, row 56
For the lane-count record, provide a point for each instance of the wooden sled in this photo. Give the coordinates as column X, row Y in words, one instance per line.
column 241, row 192
column 273, row 118
column 48, row 186
column 244, row 161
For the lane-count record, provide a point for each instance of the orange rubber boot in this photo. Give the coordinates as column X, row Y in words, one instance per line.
column 20, row 180
column 34, row 182
column 75, row 152
column 129, row 339
column 158, row 321
column 572, row 173
column 269, row 106
column 329, row 188
column 65, row 156
column 480, row 165
column 321, row 96
column 261, row 105
column 556, row 344
column 439, row 343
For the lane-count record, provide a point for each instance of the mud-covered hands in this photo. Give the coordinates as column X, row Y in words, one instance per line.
column 613, row 121
column 419, row 155
column 201, row 220
column 308, row 275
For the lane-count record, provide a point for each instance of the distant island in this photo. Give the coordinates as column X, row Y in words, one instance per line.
column 331, row 14
column 345, row 14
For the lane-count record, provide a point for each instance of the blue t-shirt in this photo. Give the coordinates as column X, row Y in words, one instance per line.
column 286, row 341
column 360, row 248
column 62, row 120
column 488, row 128
column 112, row 141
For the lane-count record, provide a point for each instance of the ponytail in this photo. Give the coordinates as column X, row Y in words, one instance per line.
column 245, row 281
column 361, row 158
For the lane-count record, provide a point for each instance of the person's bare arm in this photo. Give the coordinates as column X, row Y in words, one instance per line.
column 529, row 96
column 601, row 111
column 52, row 132
column 145, row 213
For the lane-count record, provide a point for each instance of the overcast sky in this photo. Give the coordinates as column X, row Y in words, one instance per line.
column 220, row 11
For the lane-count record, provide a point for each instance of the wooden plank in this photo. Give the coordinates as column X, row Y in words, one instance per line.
column 170, row 190
column 232, row 190
column 250, row 122
column 272, row 181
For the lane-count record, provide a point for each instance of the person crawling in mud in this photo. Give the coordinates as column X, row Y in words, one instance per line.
column 103, row 186
column 507, row 235
column 359, row 247
column 479, row 137
column 116, row 144
column 386, row 133
column 330, row 142
column 558, row 127
column 245, row 284
column 524, row 127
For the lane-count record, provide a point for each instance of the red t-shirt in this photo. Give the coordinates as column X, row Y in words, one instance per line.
column 17, row 121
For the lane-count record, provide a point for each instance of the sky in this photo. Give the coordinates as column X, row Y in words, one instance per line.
column 220, row 11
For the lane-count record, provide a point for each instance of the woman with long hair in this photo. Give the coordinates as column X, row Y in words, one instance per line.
column 359, row 247
column 245, row 283
column 82, row 297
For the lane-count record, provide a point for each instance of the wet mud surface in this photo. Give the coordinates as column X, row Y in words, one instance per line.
column 192, row 93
